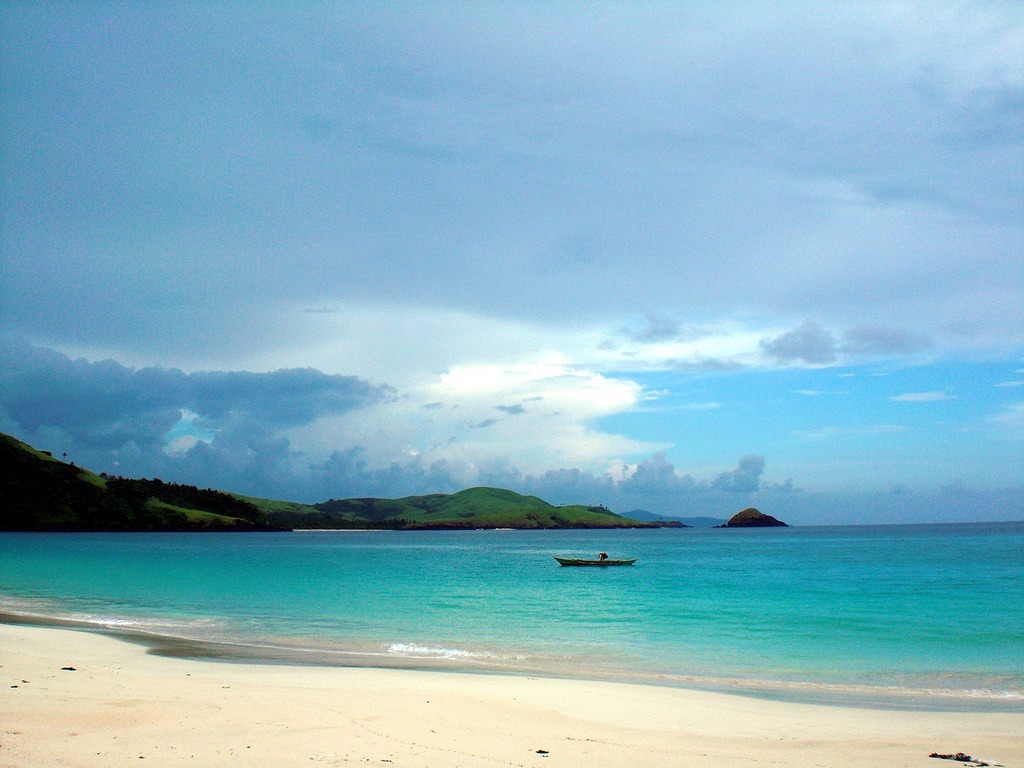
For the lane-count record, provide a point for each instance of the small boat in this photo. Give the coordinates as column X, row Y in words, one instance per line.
column 599, row 563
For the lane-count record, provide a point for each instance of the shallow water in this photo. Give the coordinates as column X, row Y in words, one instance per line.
column 902, row 615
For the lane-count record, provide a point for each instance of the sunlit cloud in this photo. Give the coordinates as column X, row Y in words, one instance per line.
column 532, row 416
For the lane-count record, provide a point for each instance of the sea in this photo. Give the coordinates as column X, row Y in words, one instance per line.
column 911, row 616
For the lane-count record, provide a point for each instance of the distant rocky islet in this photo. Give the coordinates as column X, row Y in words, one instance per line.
column 753, row 518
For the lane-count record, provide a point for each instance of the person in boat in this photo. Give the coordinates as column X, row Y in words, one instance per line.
column 603, row 556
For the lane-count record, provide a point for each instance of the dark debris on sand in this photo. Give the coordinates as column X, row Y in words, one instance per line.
column 960, row 757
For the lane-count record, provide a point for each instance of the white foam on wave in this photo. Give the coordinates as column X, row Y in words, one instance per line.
column 414, row 651
column 160, row 626
column 851, row 691
column 49, row 611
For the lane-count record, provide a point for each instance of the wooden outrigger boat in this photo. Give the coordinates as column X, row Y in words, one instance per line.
column 600, row 563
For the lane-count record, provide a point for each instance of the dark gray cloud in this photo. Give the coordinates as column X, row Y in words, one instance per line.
column 174, row 172
column 118, row 419
column 658, row 328
column 512, row 410
column 99, row 405
column 810, row 343
column 278, row 398
column 868, row 341
column 42, row 386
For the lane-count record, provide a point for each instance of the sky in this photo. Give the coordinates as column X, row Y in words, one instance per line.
column 681, row 257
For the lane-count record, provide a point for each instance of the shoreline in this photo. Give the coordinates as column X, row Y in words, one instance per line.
column 82, row 698
column 422, row 660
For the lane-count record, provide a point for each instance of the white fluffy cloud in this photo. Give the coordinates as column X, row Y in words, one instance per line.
column 533, row 416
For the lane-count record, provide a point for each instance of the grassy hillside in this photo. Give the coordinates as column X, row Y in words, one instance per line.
column 291, row 514
column 41, row 493
column 471, row 508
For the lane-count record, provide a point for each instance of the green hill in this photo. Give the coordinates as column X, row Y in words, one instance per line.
column 471, row 508
column 41, row 493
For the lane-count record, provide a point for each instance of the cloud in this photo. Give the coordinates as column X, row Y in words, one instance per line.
column 703, row 364
column 657, row 475
column 190, row 427
column 658, row 329
column 746, row 478
column 810, row 343
column 654, row 483
column 304, row 435
column 828, row 433
column 477, row 208
column 922, row 397
column 813, row 344
column 868, row 341
column 43, row 387
column 626, row 196
column 556, row 428
column 116, row 418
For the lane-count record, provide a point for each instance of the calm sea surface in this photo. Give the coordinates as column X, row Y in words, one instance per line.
column 903, row 615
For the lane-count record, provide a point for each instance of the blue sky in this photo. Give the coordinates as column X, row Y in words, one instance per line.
column 684, row 257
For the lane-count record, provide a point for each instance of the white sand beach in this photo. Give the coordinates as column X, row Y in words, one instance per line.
column 120, row 706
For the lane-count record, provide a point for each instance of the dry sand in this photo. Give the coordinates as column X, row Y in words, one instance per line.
column 121, row 706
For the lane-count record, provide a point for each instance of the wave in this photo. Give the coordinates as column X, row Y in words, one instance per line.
column 45, row 613
column 204, row 637
column 414, row 651
column 914, row 696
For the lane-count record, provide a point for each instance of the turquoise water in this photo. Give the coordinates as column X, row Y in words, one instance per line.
column 932, row 615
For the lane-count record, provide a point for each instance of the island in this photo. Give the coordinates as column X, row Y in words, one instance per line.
column 753, row 518
column 43, row 493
